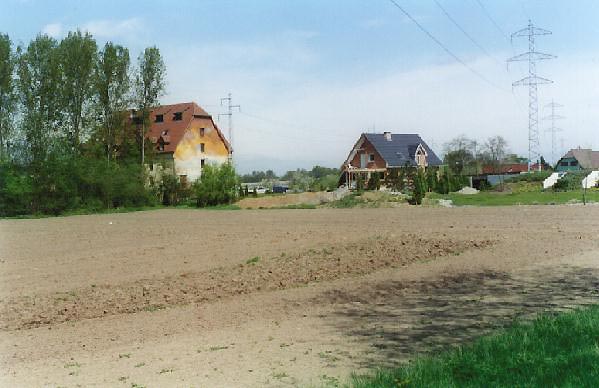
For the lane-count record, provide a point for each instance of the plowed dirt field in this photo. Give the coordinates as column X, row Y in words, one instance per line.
column 275, row 297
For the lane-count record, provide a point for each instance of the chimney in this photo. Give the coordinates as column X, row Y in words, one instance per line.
column 387, row 135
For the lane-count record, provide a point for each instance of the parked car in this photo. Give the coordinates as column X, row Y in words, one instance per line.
column 279, row 189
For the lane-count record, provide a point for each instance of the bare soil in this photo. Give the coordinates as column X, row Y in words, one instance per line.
column 277, row 297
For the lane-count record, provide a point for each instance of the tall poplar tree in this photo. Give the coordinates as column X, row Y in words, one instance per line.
column 39, row 84
column 112, row 86
column 78, row 56
column 7, row 92
column 149, row 87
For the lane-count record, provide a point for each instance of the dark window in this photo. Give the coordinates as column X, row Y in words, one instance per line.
column 202, row 163
column 201, row 147
column 159, row 118
column 178, row 116
column 371, row 157
column 574, row 163
column 161, row 146
column 565, row 164
column 202, row 131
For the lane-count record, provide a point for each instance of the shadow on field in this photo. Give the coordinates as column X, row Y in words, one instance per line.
column 403, row 318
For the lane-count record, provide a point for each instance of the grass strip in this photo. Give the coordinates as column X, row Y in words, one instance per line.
column 552, row 351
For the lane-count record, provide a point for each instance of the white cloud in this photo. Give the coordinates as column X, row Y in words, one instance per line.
column 113, row 28
column 54, row 30
column 312, row 117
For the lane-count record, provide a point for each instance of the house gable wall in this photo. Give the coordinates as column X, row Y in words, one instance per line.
column 188, row 155
column 367, row 148
column 565, row 164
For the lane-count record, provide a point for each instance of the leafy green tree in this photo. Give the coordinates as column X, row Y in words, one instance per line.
column 39, row 84
column 8, row 97
column 217, row 185
column 78, row 57
column 458, row 160
column 16, row 190
column 319, row 172
column 112, row 86
column 150, row 85
column 300, row 180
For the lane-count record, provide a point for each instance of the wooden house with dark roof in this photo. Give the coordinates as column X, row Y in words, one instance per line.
column 381, row 152
column 186, row 138
column 578, row 159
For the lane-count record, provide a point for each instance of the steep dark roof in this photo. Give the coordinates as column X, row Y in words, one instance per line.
column 586, row 158
column 401, row 148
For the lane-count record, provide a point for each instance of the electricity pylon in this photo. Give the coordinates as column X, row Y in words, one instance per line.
column 532, row 81
column 553, row 129
column 229, row 113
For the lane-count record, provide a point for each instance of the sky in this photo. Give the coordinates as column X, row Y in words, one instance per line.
column 311, row 75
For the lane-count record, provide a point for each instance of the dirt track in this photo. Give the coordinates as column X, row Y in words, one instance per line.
column 178, row 298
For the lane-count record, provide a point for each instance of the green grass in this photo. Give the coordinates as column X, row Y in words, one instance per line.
column 552, row 351
column 349, row 201
column 85, row 211
column 253, row 260
column 520, row 198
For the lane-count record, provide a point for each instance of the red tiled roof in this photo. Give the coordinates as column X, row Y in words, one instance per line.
column 514, row 168
column 171, row 131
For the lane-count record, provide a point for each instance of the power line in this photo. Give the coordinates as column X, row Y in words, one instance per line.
column 321, row 132
column 447, row 50
column 488, row 15
column 466, row 34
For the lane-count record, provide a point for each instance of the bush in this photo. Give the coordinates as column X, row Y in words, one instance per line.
column 16, row 190
column 571, row 181
column 349, row 201
column 217, row 186
column 420, row 187
column 374, row 183
column 63, row 183
column 534, row 176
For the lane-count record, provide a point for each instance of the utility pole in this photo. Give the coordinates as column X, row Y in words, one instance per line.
column 553, row 128
column 532, row 81
column 229, row 113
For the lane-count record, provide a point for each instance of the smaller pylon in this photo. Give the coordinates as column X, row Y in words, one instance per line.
column 553, row 129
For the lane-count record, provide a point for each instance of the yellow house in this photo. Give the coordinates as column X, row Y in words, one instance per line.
column 186, row 136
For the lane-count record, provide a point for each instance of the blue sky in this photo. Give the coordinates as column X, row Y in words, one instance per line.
column 310, row 76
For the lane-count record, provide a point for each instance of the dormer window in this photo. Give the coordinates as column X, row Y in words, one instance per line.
column 177, row 116
column 159, row 119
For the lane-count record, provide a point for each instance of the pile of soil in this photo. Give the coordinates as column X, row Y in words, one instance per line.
column 284, row 271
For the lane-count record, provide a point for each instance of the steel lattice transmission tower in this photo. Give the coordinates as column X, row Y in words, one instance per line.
column 229, row 114
column 532, row 81
column 553, row 129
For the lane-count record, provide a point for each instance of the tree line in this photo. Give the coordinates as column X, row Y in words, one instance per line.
column 66, row 139
column 316, row 179
column 467, row 156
